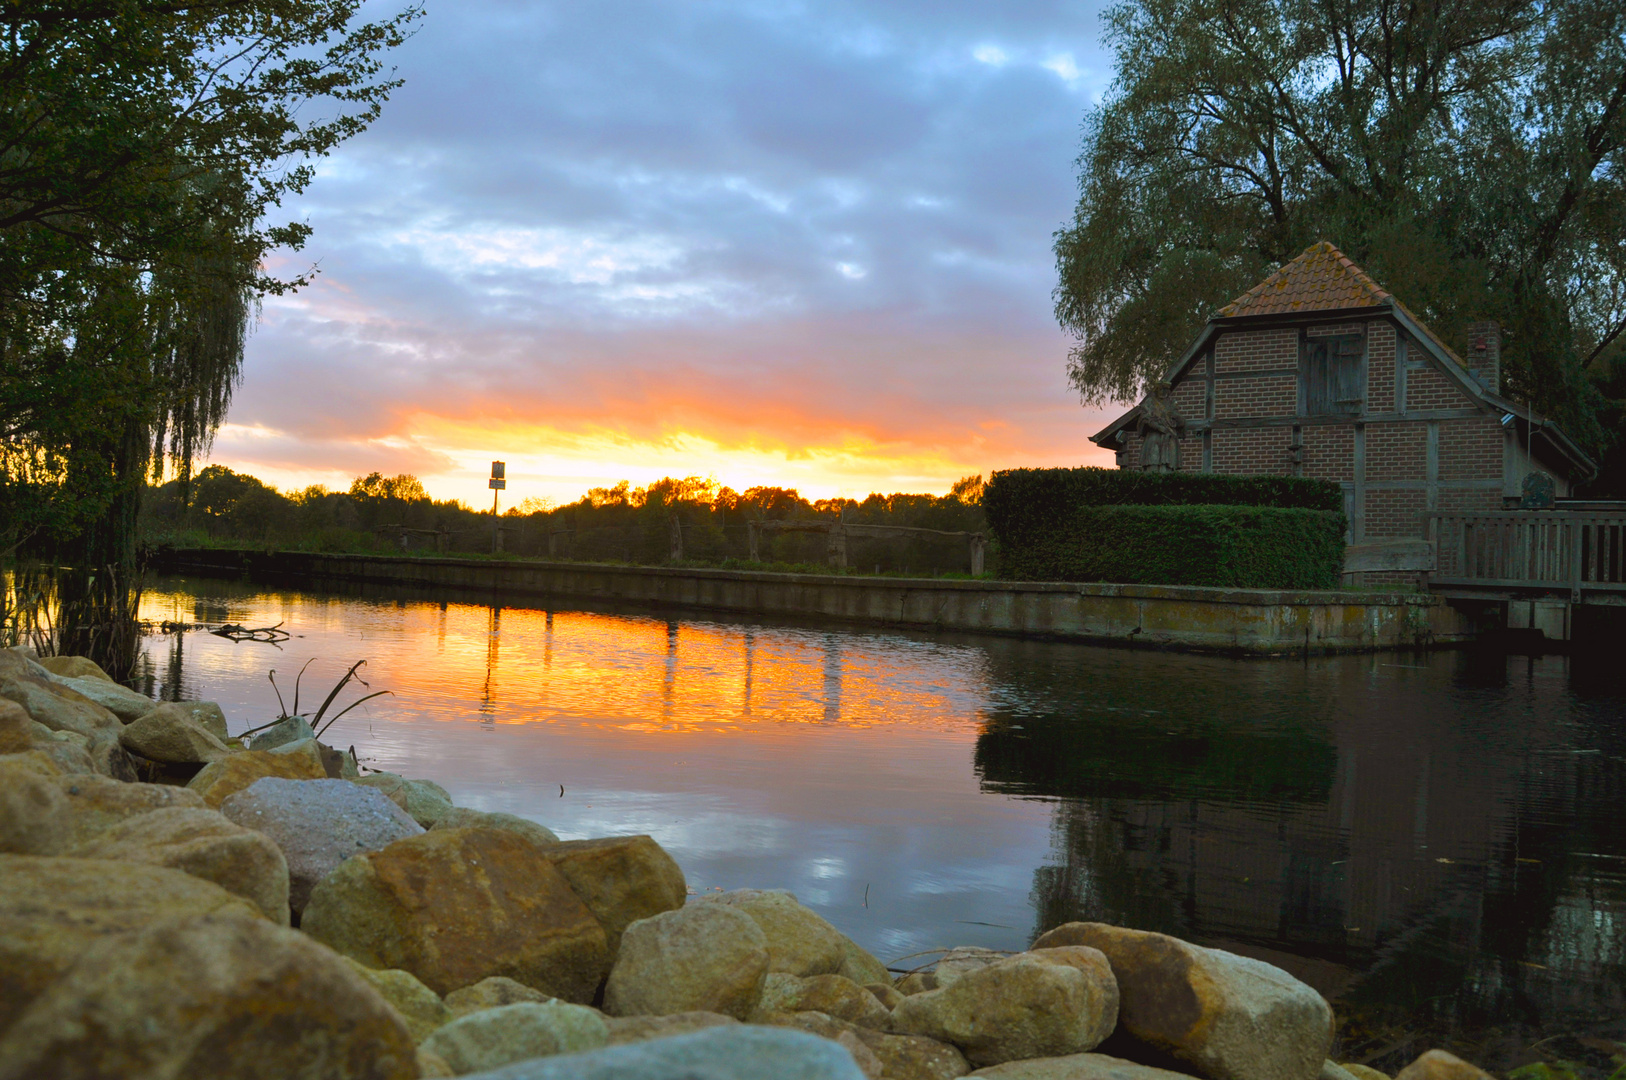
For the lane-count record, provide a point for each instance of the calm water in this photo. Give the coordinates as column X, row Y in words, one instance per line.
column 1438, row 843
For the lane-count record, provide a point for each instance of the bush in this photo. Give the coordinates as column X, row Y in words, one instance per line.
column 1242, row 547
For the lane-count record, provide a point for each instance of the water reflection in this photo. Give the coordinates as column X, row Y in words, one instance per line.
column 1434, row 841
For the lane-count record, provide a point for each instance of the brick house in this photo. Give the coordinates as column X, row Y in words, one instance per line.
column 1318, row 371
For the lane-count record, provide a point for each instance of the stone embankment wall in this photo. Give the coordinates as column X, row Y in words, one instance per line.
column 175, row 903
column 1245, row 621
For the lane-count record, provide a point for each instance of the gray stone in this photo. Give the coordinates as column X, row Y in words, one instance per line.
column 630, row 1029
column 171, row 737
column 318, row 824
column 739, row 1052
column 59, row 708
column 492, row 1038
column 291, row 729
column 121, row 701
column 703, row 957
column 491, row 993
column 832, row 995
column 1077, row 1067
column 205, row 714
column 425, row 800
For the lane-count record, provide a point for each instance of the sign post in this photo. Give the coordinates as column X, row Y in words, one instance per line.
column 497, row 483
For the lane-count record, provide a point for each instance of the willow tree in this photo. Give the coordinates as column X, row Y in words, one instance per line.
column 144, row 145
column 1468, row 154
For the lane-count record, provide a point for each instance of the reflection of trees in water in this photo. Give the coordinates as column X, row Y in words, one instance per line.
column 1409, row 843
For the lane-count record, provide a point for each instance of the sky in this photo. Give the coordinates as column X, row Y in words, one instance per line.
column 766, row 242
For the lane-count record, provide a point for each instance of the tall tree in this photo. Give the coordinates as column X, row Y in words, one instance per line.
column 143, row 144
column 1471, row 154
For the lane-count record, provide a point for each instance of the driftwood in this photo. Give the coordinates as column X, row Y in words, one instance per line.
column 235, row 632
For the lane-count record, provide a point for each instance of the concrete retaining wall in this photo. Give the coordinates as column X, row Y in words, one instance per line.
column 1254, row 621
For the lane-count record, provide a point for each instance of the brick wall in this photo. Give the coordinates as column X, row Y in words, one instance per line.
column 1427, row 388
column 1394, row 514
column 1329, row 452
column 1397, row 451
column 1258, row 395
column 1470, row 449
column 1257, row 350
column 1380, row 368
column 1191, row 394
column 1253, row 452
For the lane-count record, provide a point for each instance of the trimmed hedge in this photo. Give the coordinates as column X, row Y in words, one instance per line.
column 1017, row 499
column 1240, row 547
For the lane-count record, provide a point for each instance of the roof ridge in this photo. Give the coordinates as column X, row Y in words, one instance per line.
column 1320, row 278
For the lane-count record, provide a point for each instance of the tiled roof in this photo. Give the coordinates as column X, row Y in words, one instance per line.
column 1321, row 279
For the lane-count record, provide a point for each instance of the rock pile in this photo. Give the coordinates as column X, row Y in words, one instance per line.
column 267, row 912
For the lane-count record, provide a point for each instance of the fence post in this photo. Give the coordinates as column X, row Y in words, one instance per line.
column 979, row 548
column 677, row 539
column 836, row 549
column 752, row 543
column 442, row 540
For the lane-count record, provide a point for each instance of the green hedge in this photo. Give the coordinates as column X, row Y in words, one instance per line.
column 1018, row 499
column 1242, row 547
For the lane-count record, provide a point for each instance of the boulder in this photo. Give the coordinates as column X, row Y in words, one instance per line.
column 916, row 982
column 318, row 824
column 1440, row 1065
column 74, row 667
column 958, row 961
column 838, row 1031
column 432, row 1066
column 914, row 1057
column 860, row 966
column 97, row 803
column 52, row 909
column 887, row 994
column 33, row 810
column 218, row 995
column 204, row 714
column 1046, row 1003
column 58, row 707
column 621, row 879
column 418, row 1005
column 220, row 780
column 290, row 729
column 459, row 817
column 800, row 941
column 832, row 995
column 490, row 993
column 1363, row 1072
column 425, row 800
column 206, row 845
column 456, row 906
column 1227, row 1016
column 19, row 731
column 628, row 1029
column 1331, row 1070
column 109, row 758
column 170, row 737
column 496, row 1037
column 121, row 701
column 735, row 1052
column 1077, row 1067
column 702, row 957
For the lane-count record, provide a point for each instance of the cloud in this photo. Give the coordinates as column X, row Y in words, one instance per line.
column 624, row 237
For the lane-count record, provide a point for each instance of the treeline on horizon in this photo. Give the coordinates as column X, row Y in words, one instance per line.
column 221, row 508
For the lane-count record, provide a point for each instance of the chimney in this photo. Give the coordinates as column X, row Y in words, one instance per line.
column 1485, row 354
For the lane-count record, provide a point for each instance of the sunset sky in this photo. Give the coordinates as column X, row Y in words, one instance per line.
column 769, row 242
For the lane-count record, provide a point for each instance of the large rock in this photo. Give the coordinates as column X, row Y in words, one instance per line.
column 209, row 996
column 1038, row 1004
column 914, row 1057
column 736, row 1052
column 73, row 667
column 1077, row 1067
column 419, row 1006
column 495, row 1037
column 425, row 800
column 456, row 906
column 1440, row 1065
column 703, row 957
column 827, row 1026
column 800, row 941
column 964, row 958
column 97, row 803
column 19, row 731
column 859, row 965
column 630, row 1029
column 204, row 714
column 220, row 780
column 206, row 845
column 832, row 995
column 460, row 817
column 109, row 758
column 1360, row 1072
column 52, row 909
column 33, row 810
column 121, row 701
column 47, row 700
column 621, row 879
column 1227, row 1016
column 290, row 729
column 491, row 993
column 171, row 737
column 318, row 824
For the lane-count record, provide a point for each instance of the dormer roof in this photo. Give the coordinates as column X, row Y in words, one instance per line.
column 1320, row 279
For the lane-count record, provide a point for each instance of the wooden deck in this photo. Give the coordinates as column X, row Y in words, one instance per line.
column 1521, row 553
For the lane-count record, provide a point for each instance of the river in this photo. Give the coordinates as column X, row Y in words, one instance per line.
column 1437, row 842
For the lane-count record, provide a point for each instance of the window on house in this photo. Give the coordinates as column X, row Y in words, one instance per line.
column 1332, row 375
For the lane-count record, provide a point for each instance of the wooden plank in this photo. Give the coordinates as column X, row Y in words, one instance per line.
column 1389, row 555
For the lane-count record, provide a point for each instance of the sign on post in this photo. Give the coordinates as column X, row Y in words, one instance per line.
column 498, row 483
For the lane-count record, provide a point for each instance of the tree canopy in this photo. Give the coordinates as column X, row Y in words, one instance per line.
column 1470, row 154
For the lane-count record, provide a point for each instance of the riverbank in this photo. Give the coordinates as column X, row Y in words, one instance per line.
column 262, row 907
column 1255, row 622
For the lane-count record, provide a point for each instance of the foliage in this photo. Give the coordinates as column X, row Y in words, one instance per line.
column 1472, row 157
column 1241, row 547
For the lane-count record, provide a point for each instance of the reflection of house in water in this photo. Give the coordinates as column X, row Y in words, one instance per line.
column 1460, row 861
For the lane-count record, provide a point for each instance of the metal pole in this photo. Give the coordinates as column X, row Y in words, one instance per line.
column 494, row 523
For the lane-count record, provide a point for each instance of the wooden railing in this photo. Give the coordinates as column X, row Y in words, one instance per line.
column 1553, row 549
